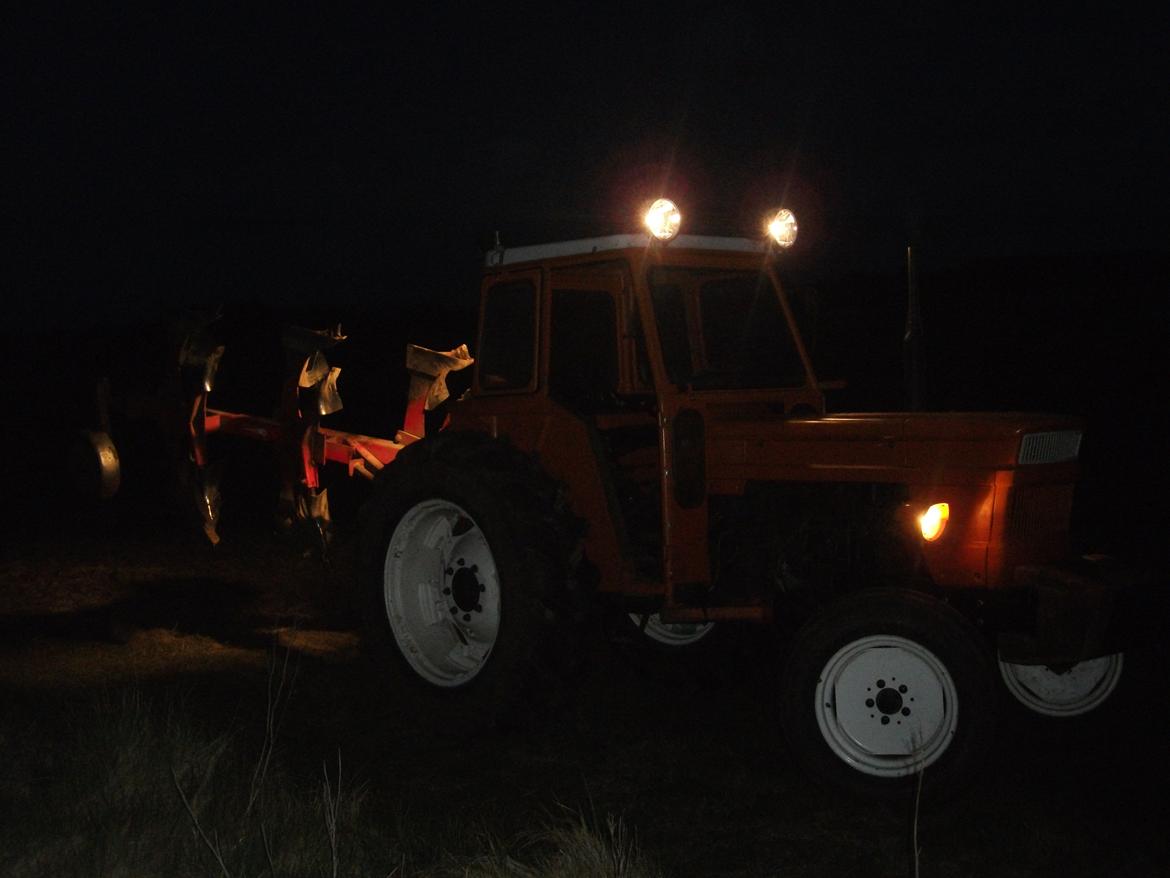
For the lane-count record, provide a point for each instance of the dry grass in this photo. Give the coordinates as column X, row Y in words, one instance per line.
column 90, row 783
column 137, row 784
column 572, row 847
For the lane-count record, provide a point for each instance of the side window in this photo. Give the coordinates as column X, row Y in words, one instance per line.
column 507, row 346
column 583, row 361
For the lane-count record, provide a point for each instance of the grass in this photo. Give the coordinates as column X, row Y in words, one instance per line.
column 141, row 783
column 223, row 769
column 247, row 778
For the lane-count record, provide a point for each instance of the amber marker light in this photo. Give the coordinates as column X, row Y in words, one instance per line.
column 933, row 521
column 782, row 228
column 663, row 219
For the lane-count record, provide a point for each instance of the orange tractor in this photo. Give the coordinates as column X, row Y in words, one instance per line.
column 644, row 428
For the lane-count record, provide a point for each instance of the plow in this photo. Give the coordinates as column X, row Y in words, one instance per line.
column 301, row 442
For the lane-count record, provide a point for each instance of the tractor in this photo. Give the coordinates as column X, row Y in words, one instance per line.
column 644, row 430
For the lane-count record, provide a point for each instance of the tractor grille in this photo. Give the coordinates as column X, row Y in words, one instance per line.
column 1039, row 512
column 1055, row 447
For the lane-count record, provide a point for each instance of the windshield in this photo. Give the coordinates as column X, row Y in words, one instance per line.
column 723, row 329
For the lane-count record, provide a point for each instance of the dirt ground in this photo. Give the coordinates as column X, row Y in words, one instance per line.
column 696, row 766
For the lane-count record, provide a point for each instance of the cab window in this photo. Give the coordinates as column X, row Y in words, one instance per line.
column 583, row 357
column 507, row 346
column 723, row 329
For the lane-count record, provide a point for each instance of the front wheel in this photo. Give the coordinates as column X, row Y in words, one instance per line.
column 885, row 685
column 685, row 654
column 1063, row 692
column 672, row 635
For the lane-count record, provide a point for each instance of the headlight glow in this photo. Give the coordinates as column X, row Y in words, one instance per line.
column 782, row 228
column 663, row 219
column 933, row 521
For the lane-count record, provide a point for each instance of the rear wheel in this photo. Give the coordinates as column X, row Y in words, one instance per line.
column 472, row 600
column 441, row 593
column 884, row 685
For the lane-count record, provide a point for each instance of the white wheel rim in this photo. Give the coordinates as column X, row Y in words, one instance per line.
column 886, row 706
column 1067, row 693
column 441, row 593
column 671, row 633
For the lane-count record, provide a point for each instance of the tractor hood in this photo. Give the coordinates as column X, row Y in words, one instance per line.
column 886, row 445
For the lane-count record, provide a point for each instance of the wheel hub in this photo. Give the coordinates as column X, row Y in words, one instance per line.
column 465, row 588
column 889, row 701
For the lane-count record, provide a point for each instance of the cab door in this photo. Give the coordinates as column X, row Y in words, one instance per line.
column 724, row 352
column 599, row 395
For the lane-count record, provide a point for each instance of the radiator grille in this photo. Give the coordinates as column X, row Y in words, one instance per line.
column 1054, row 447
column 1039, row 511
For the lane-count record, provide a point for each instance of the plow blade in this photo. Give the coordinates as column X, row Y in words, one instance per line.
column 208, row 499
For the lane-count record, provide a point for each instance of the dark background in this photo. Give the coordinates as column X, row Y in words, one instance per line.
column 354, row 167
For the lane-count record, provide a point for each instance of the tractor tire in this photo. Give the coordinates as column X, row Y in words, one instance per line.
column 883, row 686
column 474, row 610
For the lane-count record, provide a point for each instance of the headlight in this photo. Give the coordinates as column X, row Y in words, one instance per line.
column 782, row 228
column 933, row 521
column 663, row 219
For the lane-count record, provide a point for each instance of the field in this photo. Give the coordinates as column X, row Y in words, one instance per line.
column 170, row 709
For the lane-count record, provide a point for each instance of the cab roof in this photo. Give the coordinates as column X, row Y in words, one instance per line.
column 586, row 246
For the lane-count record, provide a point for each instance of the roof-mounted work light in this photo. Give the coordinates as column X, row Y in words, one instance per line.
column 782, row 228
column 662, row 219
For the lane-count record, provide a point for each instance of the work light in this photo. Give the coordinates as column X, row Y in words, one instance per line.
column 663, row 219
column 782, row 228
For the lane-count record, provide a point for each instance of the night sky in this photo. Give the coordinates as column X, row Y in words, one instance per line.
column 231, row 155
column 357, row 165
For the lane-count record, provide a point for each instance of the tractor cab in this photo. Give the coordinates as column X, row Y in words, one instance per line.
column 608, row 357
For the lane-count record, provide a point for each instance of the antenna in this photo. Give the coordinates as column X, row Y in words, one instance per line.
column 912, row 338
